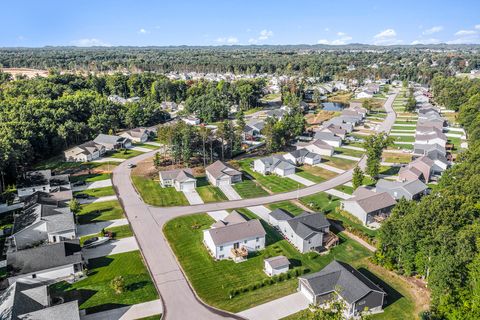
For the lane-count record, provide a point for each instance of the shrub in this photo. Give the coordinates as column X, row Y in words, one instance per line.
column 118, row 284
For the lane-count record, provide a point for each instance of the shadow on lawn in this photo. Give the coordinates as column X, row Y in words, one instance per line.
column 99, row 263
column 392, row 294
column 136, row 285
column 105, row 307
column 89, row 217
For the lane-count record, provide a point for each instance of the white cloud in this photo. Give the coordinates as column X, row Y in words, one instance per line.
column 265, row 34
column 465, row 32
column 323, row 41
column 426, row 41
column 343, row 39
column 142, row 31
column 387, row 33
column 477, row 26
column 227, row 40
column 90, row 42
column 341, row 34
column 433, row 30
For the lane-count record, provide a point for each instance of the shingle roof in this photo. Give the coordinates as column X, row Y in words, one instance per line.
column 177, row 174
column 108, row 139
column 372, row 201
column 220, row 168
column 343, row 279
column 277, row 262
column 307, row 223
column 68, row 310
column 20, row 298
column 412, row 187
column 326, row 136
column 280, row 214
column 236, row 232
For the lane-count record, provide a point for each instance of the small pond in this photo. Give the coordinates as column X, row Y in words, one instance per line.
column 334, row 106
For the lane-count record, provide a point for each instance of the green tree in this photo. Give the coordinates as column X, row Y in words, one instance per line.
column 358, row 177
column 74, row 206
column 374, row 146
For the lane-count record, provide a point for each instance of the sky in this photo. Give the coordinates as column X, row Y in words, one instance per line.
column 34, row 23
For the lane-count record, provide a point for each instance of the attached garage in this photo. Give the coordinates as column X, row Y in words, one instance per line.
column 306, row 292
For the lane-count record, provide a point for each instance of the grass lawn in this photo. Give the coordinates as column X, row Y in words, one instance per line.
column 271, row 96
column 209, row 193
column 349, row 152
column 272, row 182
column 405, row 121
column 249, row 189
column 320, row 202
column 146, row 146
column 340, row 163
column 344, row 189
column 309, row 176
column 286, row 205
column 388, row 170
column 404, row 128
column 98, row 192
column 402, row 146
column 100, row 211
column 213, row 280
column 253, row 110
column 95, row 293
column 58, row 165
column 91, row 177
column 126, row 154
column 153, row 194
column 119, row 232
column 319, row 172
column 404, row 138
column 397, row 157
column 346, row 219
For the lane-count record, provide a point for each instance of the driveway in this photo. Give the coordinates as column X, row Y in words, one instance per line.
column 136, row 311
column 99, row 199
column 94, row 185
column 230, row 193
column 101, row 160
column 111, row 247
column 193, row 197
column 301, row 180
column 218, row 215
column 141, row 149
column 261, row 211
column 278, row 308
column 330, row 168
column 338, row 194
column 94, row 228
column 342, row 156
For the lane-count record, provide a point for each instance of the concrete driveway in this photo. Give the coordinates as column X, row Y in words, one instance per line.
column 94, row 228
column 218, row 215
column 111, row 247
column 193, row 197
column 301, row 180
column 230, row 193
column 109, row 159
column 278, row 308
column 141, row 149
column 93, row 185
column 330, row 168
column 99, row 199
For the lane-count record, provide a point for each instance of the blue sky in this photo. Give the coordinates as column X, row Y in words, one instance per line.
column 37, row 23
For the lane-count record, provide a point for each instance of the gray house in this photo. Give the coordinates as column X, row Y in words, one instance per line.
column 340, row 280
column 112, row 142
column 220, row 173
column 180, row 179
column 410, row 190
column 274, row 164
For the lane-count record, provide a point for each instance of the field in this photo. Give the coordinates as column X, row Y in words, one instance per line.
column 320, row 202
column 125, row 154
column 249, row 189
column 213, row 280
column 95, row 292
column 209, row 193
column 286, row 205
column 340, row 163
column 153, row 194
column 101, row 211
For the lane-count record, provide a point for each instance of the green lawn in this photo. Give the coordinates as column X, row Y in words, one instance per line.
column 126, row 154
column 286, row 205
column 213, row 280
column 347, row 220
column 389, row 170
column 249, row 189
column 344, row 189
column 404, row 128
column 101, row 211
column 253, row 110
column 91, row 177
column 272, row 182
column 153, row 194
column 118, row 232
column 320, row 174
column 98, row 192
column 404, row 138
column 403, row 146
column 320, row 202
column 209, row 193
column 349, row 152
column 58, row 165
column 147, row 146
column 340, row 163
column 95, row 293
column 397, row 157
column 404, row 121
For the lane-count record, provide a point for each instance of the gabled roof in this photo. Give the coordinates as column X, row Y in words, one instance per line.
column 108, row 139
column 343, row 279
column 220, row 168
column 180, row 175
column 280, row 214
column 371, row 201
column 137, row 132
column 277, row 162
column 307, row 224
column 412, row 187
column 20, row 298
column 278, row 262
column 86, row 148
column 233, row 218
column 321, row 135
column 237, row 232
column 321, row 144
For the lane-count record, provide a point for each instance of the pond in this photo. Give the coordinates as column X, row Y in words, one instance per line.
column 334, row 106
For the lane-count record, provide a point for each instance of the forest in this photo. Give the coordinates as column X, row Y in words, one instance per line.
column 437, row 238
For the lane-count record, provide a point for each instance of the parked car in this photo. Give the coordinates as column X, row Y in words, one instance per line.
column 95, row 242
column 131, row 165
column 79, row 183
column 81, row 196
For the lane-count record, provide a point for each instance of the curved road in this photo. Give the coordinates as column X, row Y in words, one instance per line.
column 179, row 300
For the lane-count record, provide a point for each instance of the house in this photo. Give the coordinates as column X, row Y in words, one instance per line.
column 329, row 138
column 276, row 265
column 349, row 113
column 180, row 179
column 219, row 173
column 424, row 149
column 23, row 301
column 307, row 231
column 39, row 223
column 410, row 190
column 47, row 263
column 277, row 113
column 369, row 206
column 420, row 168
column 84, row 152
column 234, row 237
column 274, row 164
column 364, row 94
column 319, row 147
column 334, row 129
column 303, row 156
column 340, row 122
column 139, row 135
column 253, row 129
column 434, row 137
column 340, row 280
column 111, row 142
column 169, row 105
column 42, row 180
column 193, row 121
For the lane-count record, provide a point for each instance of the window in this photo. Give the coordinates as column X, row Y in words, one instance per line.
column 221, row 256
column 257, row 239
column 245, row 241
column 257, row 247
column 221, row 248
column 54, row 238
column 34, row 276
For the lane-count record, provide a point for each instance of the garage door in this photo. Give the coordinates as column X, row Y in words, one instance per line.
column 306, row 293
column 224, row 182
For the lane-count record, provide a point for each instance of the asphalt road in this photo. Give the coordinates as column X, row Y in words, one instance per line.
column 180, row 301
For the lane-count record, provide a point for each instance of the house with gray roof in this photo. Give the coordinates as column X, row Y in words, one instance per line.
column 23, row 301
column 84, row 152
column 234, row 237
column 317, row 146
column 369, row 206
column 253, row 129
column 420, row 168
column 276, row 265
column 328, row 138
column 42, row 180
column 139, row 135
column 410, row 190
column 180, row 179
column 111, row 142
column 303, row 156
column 341, row 122
column 220, row 173
column 46, row 263
column 340, row 280
column 274, row 165
column 334, row 129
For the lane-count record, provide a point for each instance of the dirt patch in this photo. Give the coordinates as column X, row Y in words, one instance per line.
column 146, row 168
column 320, row 117
column 29, row 73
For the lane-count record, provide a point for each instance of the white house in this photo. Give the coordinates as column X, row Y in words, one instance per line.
column 319, row 147
column 193, row 121
column 47, row 263
column 303, row 156
column 274, row 164
column 220, row 173
column 139, row 135
column 84, row 152
column 432, row 138
column 329, row 138
column 234, row 237
column 365, row 94
column 276, row 265
column 180, row 179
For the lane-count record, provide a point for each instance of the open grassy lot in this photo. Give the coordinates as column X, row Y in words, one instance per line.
column 349, row 152
column 397, row 157
column 404, row 138
column 402, row 121
column 152, row 193
column 213, row 280
column 145, row 145
column 249, row 189
column 95, row 293
column 125, row 154
column 58, row 165
column 118, row 232
column 317, row 171
column 320, row 202
column 101, row 211
column 398, row 146
column 344, row 189
column 209, row 193
column 340, row 163
column 91, row 177
column 98, row 192
column 309, row 175
column 286, row 205
column 404, row 128
column 272, row 182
